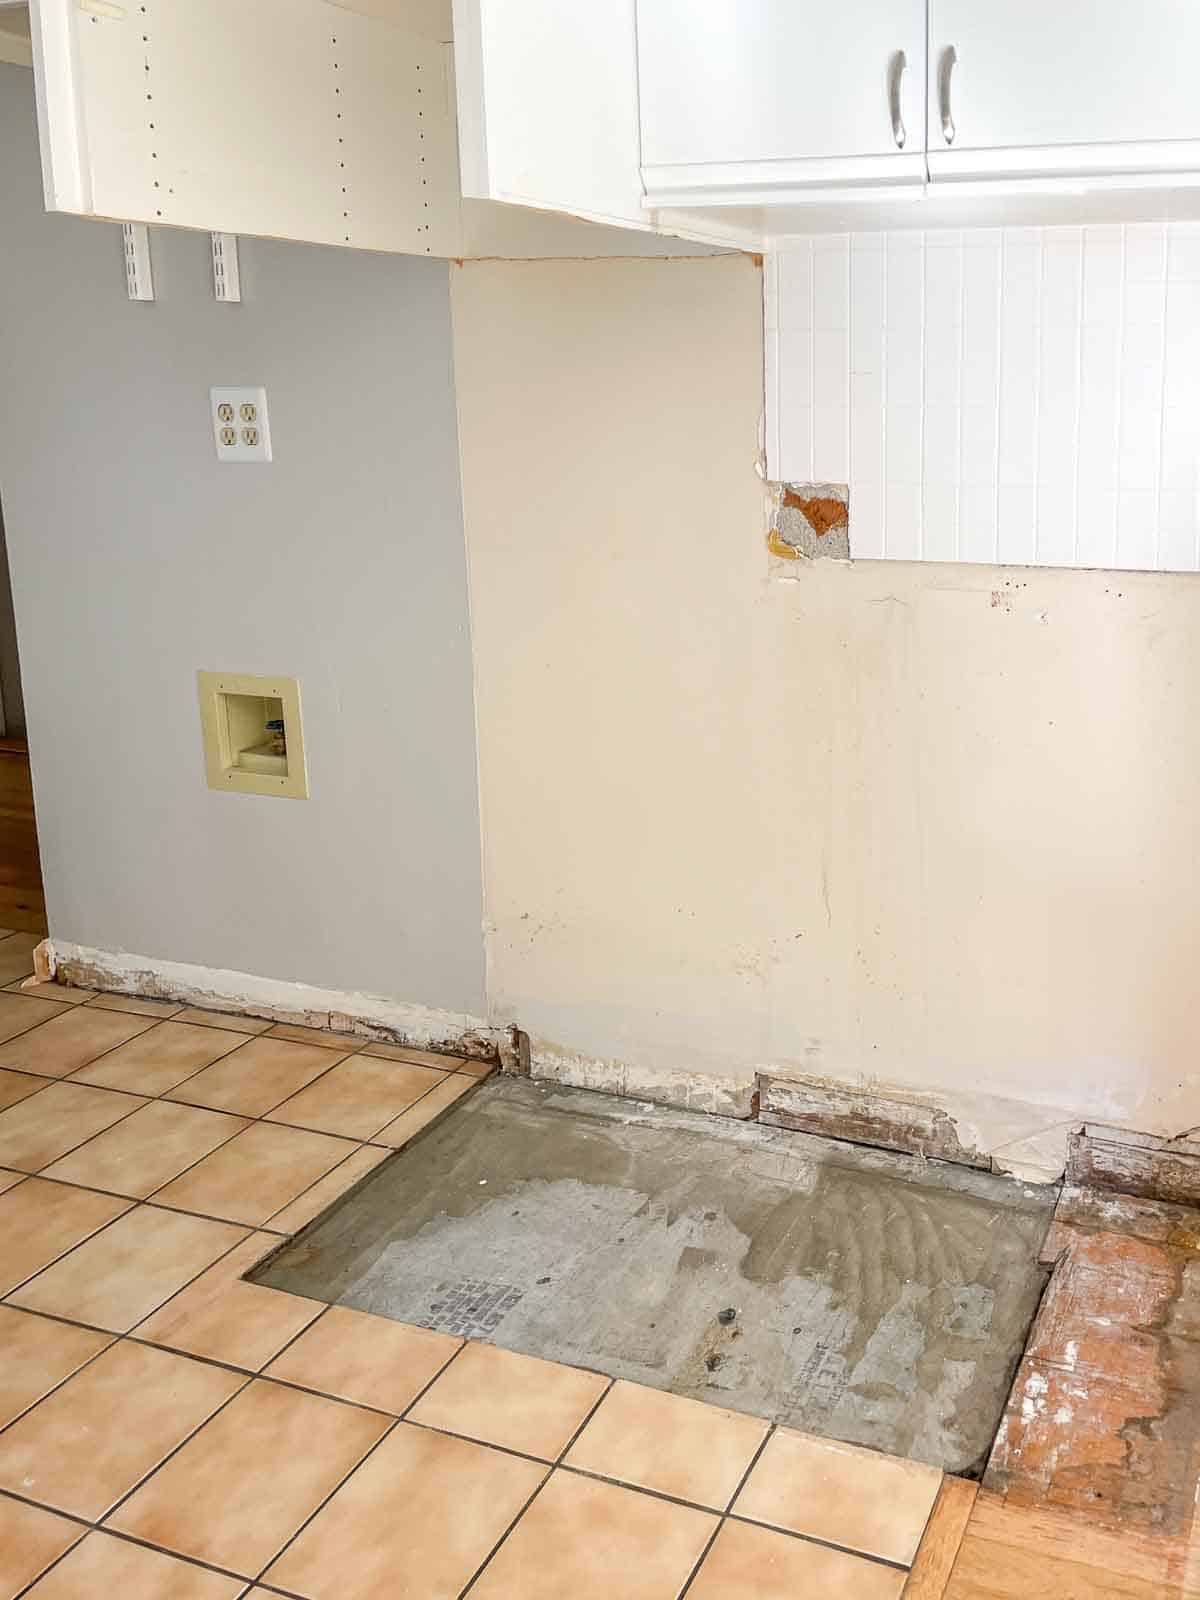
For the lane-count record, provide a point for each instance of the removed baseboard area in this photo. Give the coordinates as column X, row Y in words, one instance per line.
column 864, row 1116
column 730, row 1094
column 1140, row 1164
column 979, row 1131
column 392, row 1021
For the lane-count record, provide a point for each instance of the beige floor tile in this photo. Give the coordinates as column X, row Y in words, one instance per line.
column 409, row 1123
column 749, row 1563
column 420, row 1517
column 516, row 1401
column 70, row 1039
column 357, row 1097
column 137, row 1006
column 63, row 993
column 37, row 1355
column 16, row 955
column 367, row 1359
column 85, row 1446
column 257, row 1077
column 40, row 1221
column 118, row 1278
column 256, row 1174
column 241, row 1488
column 223, row 1019
column 322, row 1037
column 221, row 1317
column 160, row 1059
column 680, row 1447
column 16, row 1086
column 30, row 1539
column 147, row 1150
column 844, row 1495
column 423, row 1058
column 323, row 1193
column 9, row 1180
column 19, row 1013
column 63, row 1115
column 579, row 1536
column 103, row 1565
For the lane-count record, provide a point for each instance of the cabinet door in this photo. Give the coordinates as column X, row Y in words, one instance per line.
column 1063, row 88
column 547, row 105
column 748, row 100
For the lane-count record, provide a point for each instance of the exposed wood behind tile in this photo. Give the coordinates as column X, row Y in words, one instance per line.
column 838, row 1111
column 1104, row 1416
column 1135, row 1164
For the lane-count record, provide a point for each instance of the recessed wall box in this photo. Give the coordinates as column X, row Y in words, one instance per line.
column 253, row 738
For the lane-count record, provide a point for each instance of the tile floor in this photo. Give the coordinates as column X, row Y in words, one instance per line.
column 171, row 1431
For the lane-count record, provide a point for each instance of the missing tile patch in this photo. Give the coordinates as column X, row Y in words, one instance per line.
column 810, row 520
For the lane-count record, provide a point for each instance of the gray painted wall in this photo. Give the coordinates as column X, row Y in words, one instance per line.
column 136, row 559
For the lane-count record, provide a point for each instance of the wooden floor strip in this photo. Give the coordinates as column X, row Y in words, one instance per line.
column 943, row 1535
column 1022, row 1552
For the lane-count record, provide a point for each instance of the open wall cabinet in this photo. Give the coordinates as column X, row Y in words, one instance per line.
column 325, row 122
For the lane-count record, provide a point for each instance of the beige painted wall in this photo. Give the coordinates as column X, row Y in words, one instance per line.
column 937, row 826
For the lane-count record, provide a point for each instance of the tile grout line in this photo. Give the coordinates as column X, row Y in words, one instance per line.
column 341, row 1482
column 116, row 1533
column 551, row 1468
column 723, row 1515
column 136, row 1202
column 360, row 1144
column 387, row 1433
column 113, row 1339
column 173, row 1452
column 558, row 1464
column 7, row 1297
column 825, row 1544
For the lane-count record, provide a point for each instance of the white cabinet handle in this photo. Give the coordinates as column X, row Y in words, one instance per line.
column 945, row 68
column 896, row 68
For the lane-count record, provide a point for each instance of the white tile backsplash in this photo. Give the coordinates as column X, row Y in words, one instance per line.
column 1025, row 395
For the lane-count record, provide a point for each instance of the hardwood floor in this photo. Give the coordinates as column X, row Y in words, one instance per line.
column 1091, row 1492
column 22, row 905
column 1013, row 1552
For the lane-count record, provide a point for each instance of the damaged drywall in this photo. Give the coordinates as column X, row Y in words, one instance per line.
column 730, row 1094
column 868, row 827
column 809, row 521
column 370, row 1016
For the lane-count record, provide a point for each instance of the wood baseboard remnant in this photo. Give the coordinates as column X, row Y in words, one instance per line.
column 943, row 1535
column 1140, row 1164
column 863, row 1116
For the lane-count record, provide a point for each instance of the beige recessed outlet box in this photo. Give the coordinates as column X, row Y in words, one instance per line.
column 253, row 739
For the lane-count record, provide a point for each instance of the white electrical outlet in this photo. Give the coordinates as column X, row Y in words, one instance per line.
column 241, row 431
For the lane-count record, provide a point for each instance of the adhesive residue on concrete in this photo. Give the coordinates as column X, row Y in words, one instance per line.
column 876, row 1299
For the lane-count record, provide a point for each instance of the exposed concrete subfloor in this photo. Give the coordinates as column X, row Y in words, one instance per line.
column 879, row 1299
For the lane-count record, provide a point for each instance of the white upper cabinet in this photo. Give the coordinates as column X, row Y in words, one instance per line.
column 744, row 101
column 1036, row 89
column 293, row 118
column 547, row 105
